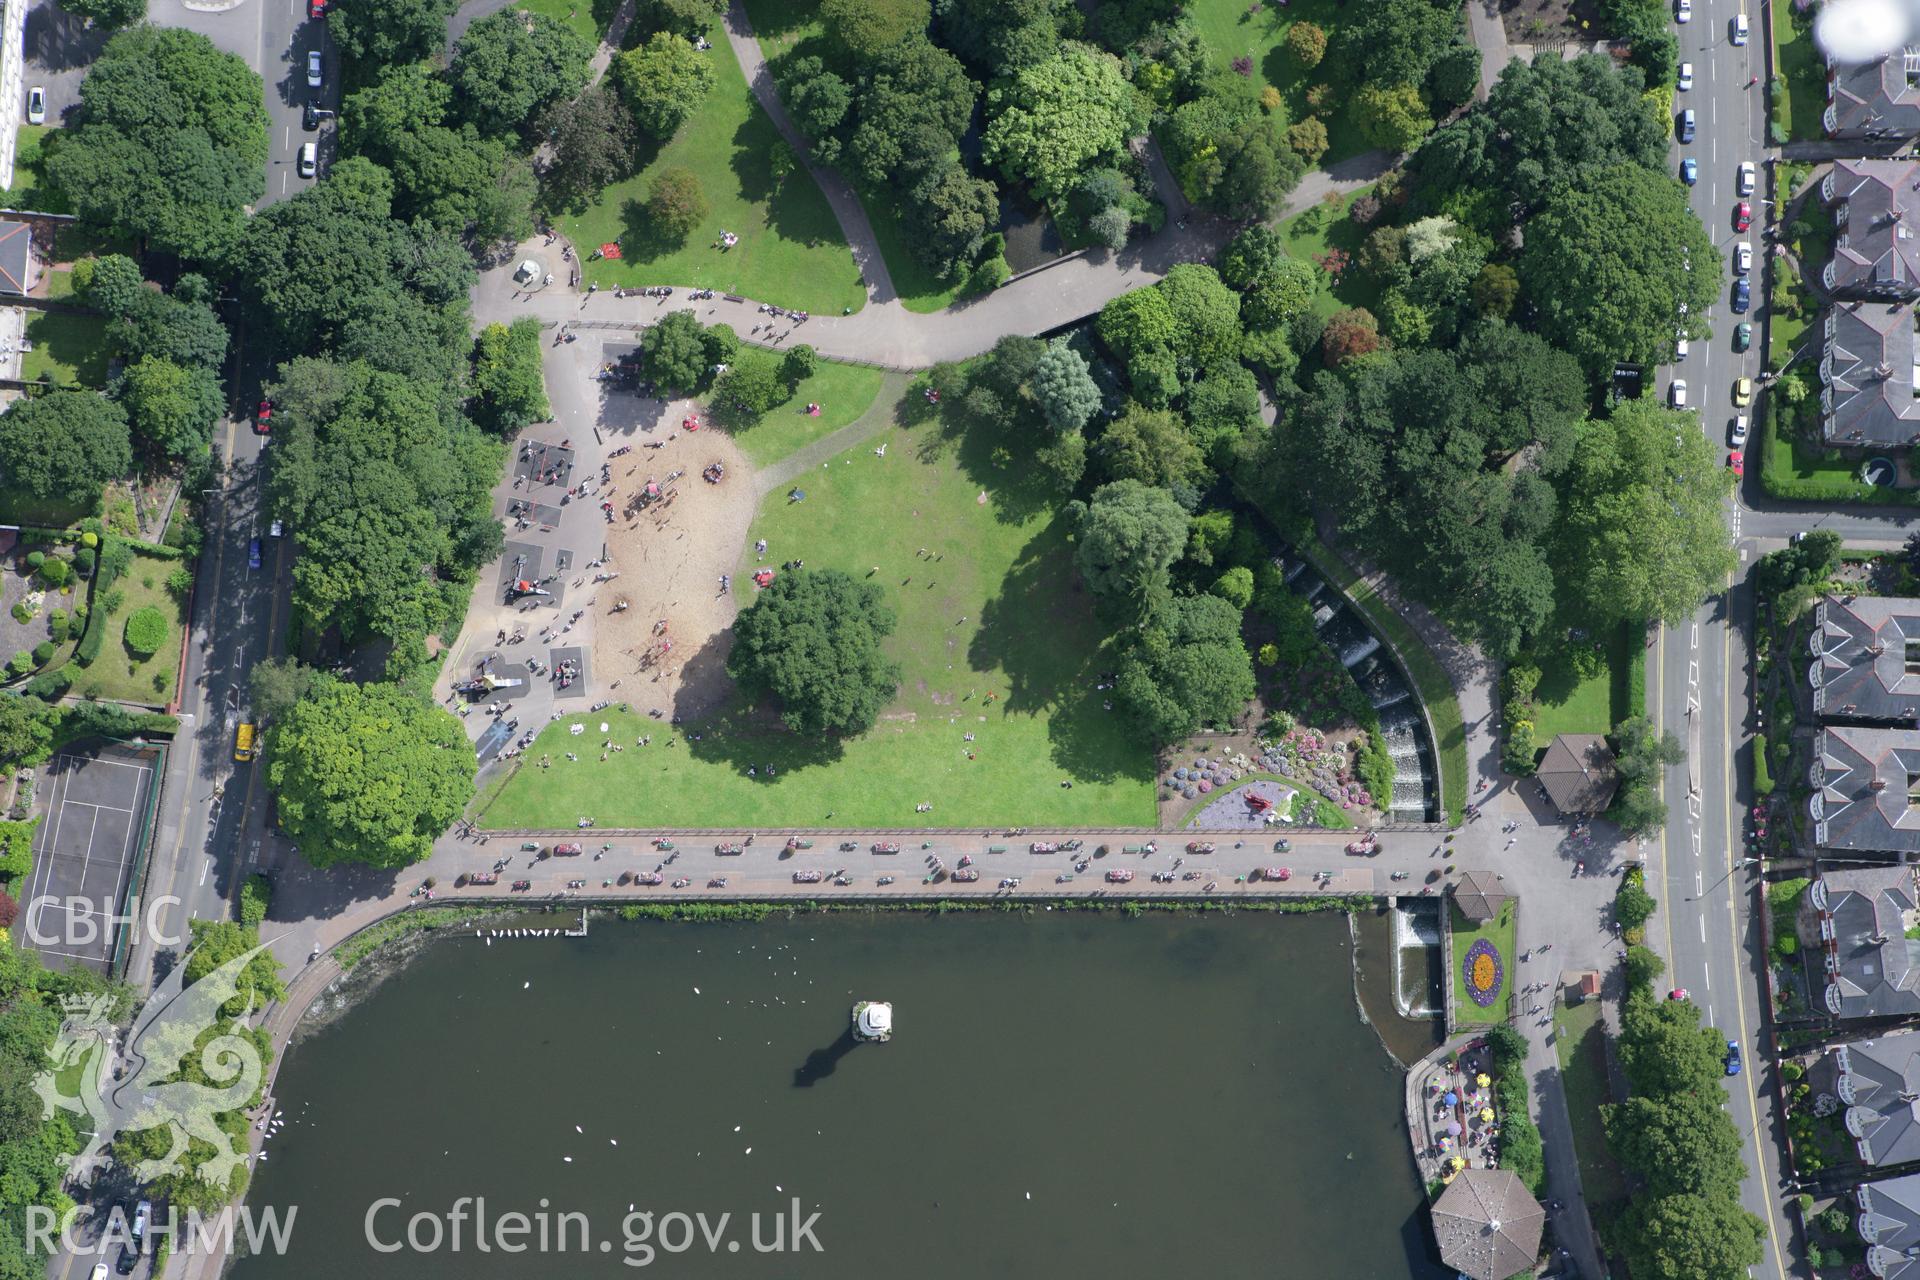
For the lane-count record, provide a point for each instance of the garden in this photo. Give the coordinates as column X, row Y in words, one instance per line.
column 1000, row 701
column 1251, row 40
column 790, row 250
column 1797, row 95
column 67, row 349
column 1482, row 966
column 130, row 651
column 44, row 594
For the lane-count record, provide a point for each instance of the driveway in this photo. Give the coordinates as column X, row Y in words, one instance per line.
column 59, row 50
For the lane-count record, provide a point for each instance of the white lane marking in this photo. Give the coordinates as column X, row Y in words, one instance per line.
column 204, row 869
column 1706, row 976
column 1693, row 641
column 1703, row 927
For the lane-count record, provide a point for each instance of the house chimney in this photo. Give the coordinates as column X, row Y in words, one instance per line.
column 1878, row 784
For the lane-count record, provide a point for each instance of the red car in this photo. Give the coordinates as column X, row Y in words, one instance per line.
column 263, row 416
column 1738, row 461
column 1742, row 216
column 317, row 9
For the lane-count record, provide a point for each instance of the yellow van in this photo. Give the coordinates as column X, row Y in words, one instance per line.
column 243, row 743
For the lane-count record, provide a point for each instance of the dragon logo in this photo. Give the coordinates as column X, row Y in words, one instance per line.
column 165, row 1037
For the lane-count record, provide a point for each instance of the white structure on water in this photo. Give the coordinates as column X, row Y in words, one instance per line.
column 873, row 1020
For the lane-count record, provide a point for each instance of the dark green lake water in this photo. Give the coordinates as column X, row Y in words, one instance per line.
column 1178, row 1096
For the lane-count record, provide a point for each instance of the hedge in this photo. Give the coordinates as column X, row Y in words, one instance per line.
column 1762, row 771
column 105, row 720
column 49, row 685
column 146, row 631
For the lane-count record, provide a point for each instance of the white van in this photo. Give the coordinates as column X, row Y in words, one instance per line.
column 309, row 159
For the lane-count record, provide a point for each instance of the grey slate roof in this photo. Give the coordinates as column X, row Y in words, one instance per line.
column 1866, row 789
column 1867, row 370
column 1578, row 773
column 1488, row 1225
column 1480, row 895
column 1870, row 966
column 1873, row 99
column 1879, row 1081
column 1890, row 1223
column 1860, row 668
column 1876, row 210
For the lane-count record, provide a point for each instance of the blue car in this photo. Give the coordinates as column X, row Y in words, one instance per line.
column 1742, row 295
column 1733, row 1058
column 253, row 553
column 1689, row 171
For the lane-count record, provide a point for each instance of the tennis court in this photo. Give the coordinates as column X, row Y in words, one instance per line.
column 84, row 853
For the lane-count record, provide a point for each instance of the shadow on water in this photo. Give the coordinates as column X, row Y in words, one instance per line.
column 821, row 1062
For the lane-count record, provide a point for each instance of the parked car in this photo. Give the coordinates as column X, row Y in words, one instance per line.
column 1737, row 435
column 275, row 529
column 1677, row 393
column 1686, row 125
column 1737, row 463
column 253, row 553
column 1733, row 1057
column 313, row 69
column 1680, row 346
column 1690, row 171
column 1678, row 993
column 1686, row 76
column 1742, row 392
column 36, row 105
column 263, row 417
column 1743, row 257
column 806, row 877
column 1742, row 295
column 317, row 9
column 1742, row 216
column 1683, row 11
column 1119, row 875
column 1739, row 28
column 1743, row 335
column 309, row 159
column 1747, row 177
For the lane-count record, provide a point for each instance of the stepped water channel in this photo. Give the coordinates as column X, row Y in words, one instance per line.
column 1416, row 789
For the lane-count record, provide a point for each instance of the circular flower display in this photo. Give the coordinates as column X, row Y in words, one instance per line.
column 1481, row 969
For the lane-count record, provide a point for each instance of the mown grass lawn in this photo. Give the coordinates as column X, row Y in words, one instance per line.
column 1804, row 73
column 782, row 27
column 1312, row 232
column 994, row 641
column 1566, row 702
column 1231, row 31
column 30, row 189
column 790, row 252
column 68, row 350
column 843, row 392
column 118, row 673
column 1499, row 932
column 1580, row 1037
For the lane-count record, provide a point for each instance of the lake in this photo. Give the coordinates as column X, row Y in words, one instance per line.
column 1063, row 1095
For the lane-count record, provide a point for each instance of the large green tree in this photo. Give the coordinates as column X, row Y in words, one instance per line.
column 386, row 494
column 1064, row 388
column 1129, row 536
column 1612, row 263
column 1187, row 668
column 1230, row 154
column 1645, row 534
column 107, row 13
column 172, row 408
column 812, row 641
column 663, row 81
column 1689, row 1237
column 511, row 65
column 1003, row 35
column 378, row 33
column 1678, row 1143
column 1666, row 1051
column 1058, row 116
column 1396, row 42
column 367, row 773
column 171, row 143
column 866, row 27
column 676, row 351
column 689, row 18
column 65, row 445
column 914, row 107
column 510, row 388
column 592, row 139
column 1151, row 446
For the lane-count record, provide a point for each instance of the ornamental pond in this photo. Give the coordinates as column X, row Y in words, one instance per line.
column 1064, row 1094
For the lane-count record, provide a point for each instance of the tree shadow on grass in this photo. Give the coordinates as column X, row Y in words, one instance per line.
column 642, row 239
column 735, row 730
column 991, row 456
column 790, row 214
column 1040, row 630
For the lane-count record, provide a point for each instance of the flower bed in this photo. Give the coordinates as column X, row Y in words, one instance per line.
column 1481, row 970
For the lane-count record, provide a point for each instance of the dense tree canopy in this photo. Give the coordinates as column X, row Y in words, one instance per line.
column 1690, row 1237
column 1680, row 1143
column 663, row 81
column 1129, row 536
column 592, row 139
column 1230, row 154
column 367, row 773
column 1611, row 263
column 676, row 351
column 1396, row 42
column 1058, row 116
column 1003, row 35
column 510, row 389
column 510, row 65
column 1544, row 124
column 1064, row 388
column 1645, row 534
column 864, row 28
column 689, row 18
column 1187, row 668
column 377, row 33
column 812, row 640
column 107, row 13
column 171, row 144
column 172, row 407
column 387, row 496
column 64, row 444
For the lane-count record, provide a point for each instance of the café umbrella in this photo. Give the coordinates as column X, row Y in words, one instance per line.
column 1486, row 1113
